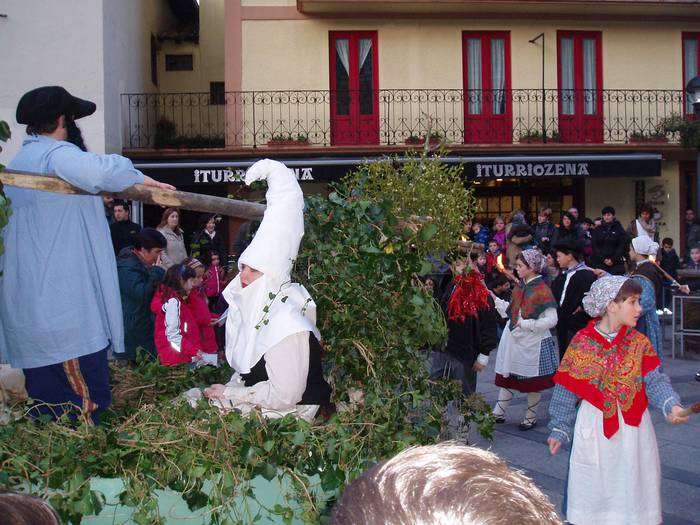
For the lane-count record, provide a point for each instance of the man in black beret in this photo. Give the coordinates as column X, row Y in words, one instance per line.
column 58, row 325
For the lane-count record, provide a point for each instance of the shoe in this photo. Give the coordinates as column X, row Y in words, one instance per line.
column 502, row 419
column 697, row 378
column 667, row 311
column 660, row 313
column 527, row 425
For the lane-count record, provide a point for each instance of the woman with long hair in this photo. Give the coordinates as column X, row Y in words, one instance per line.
column 169, row 226
column 567, row 230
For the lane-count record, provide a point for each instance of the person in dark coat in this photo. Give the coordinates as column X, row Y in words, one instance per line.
column 610, row 244
column 544, row 230
column 122, row 229
column 670, row 262
column 568, row 288
column 567, row 231
column 692, row 232
column 207, row 238
column 472, row 323
column 139, row 276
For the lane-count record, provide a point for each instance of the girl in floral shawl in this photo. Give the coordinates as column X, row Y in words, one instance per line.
column 605, row 383
column 527, row 353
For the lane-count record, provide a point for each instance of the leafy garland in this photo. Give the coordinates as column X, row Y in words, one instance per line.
column 5, row 210
column 360, row 254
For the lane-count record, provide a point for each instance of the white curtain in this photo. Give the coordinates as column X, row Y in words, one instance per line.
column 589, row 76
column 498, row 76
column 474, row 75
column 365, row 48
column 342, row 47
column 567, row 76
column 690, row 55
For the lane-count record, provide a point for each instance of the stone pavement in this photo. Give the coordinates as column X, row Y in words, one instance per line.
column 679, row 445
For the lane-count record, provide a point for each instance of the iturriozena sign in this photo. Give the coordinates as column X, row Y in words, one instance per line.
column 630, row 165
column 545, row 169
column 475, row 168
column 203, row 176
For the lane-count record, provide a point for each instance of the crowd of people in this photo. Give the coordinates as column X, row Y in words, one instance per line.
column 573, row 307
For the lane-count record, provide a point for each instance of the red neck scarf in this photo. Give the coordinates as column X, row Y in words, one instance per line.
column 608, row 374
column 469, row 296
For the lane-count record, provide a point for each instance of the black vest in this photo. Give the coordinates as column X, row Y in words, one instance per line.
column 318, row 391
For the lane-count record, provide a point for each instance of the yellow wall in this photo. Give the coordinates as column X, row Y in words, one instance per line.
column 428, row 54
column 207, row 56
column 662, row 192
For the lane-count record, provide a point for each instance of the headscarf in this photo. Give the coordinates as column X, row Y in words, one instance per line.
column 602, row 292
column 644, row 245
column 272, row 307
column 535, row 260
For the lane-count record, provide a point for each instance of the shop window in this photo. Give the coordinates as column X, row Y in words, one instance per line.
column 217, row 93
column 691, row 63
column 178, row 63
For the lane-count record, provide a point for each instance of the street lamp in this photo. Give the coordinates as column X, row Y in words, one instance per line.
column 693, row 90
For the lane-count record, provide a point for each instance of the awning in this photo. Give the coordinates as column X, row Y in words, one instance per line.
column 328, row 169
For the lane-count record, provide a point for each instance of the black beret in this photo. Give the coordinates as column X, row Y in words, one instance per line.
column 46, row 104
column 569, row 246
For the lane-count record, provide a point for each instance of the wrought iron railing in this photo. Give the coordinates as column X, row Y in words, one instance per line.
column 396, row 117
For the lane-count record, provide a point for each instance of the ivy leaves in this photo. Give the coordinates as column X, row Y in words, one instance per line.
column 5, row 210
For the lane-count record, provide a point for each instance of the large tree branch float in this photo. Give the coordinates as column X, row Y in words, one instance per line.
column 141, row 193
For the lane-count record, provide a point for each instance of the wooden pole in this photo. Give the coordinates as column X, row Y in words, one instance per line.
column 138, row 192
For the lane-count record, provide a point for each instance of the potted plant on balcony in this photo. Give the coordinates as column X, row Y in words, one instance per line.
column 287, row 139
column 687, row 127
column 536, row 137
column 656, row 136
column 165, row 135
column 433, row 139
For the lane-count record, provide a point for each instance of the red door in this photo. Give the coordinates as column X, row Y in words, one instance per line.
column 354, row 88
column 488, row 114
column 580, row 78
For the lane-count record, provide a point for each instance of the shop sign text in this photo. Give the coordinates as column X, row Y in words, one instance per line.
column 530, row 169
column 238, row 175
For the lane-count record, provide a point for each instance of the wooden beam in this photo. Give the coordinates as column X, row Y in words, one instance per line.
column 146, row 194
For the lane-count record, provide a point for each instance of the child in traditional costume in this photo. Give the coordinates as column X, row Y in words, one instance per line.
column 527, row 353
column 608, row 376
column 472, row 324
column 272, row 341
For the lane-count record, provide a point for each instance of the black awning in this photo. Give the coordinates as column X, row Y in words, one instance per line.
column 328, row 169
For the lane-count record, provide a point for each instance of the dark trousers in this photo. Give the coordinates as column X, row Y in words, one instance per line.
column 77, row 387
column 448, row 367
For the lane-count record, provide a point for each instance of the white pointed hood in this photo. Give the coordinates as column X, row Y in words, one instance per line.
column 272, row 307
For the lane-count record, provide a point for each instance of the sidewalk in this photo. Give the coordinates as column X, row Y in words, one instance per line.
column 679, row 445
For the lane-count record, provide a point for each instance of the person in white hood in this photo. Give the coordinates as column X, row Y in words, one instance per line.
column 272, row 341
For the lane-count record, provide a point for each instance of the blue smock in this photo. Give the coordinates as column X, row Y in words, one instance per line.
column 59, row 292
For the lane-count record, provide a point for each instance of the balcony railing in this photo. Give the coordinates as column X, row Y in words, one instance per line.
column 391, row 117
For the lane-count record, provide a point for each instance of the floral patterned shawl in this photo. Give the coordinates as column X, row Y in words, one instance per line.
column 609, row 373
column 530, row 300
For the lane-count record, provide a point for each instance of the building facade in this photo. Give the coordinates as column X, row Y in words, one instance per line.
column 544, row 103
